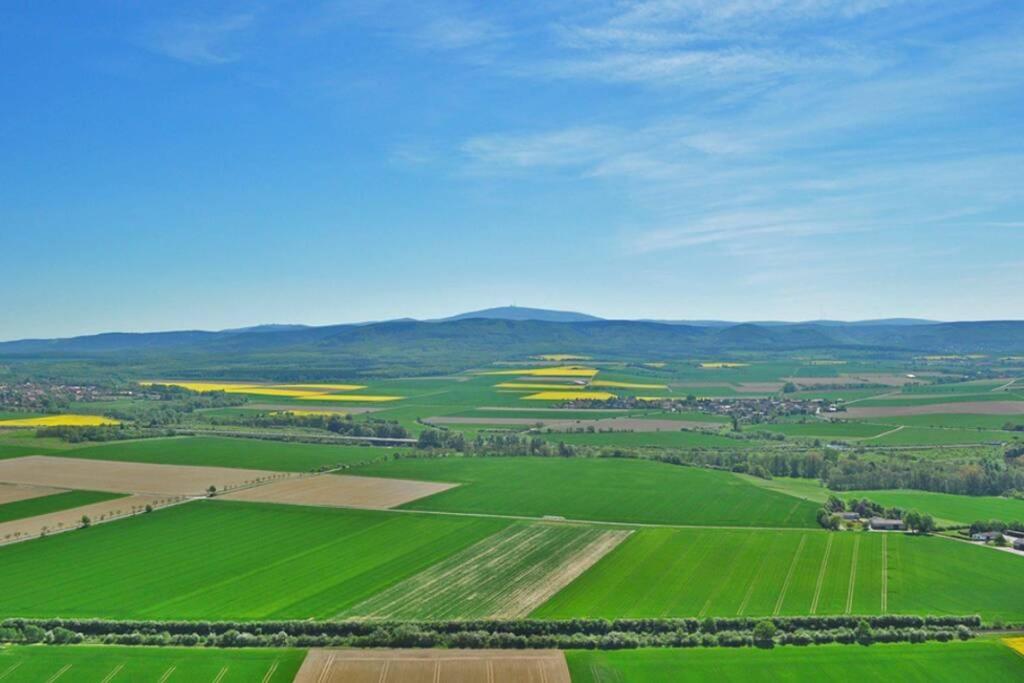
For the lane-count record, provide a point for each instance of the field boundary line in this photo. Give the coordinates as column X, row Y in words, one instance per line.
column 437, row 671
column 384, row 671
column 10, row 670
column 885, row 573
column 271, row 671
column 853, row 575
column 753, row 584
column 490, row 672
column 821, row 574
column 789, row 575
column 110, row 676
column 167, row 674
column 60, row 673
column 221, row 674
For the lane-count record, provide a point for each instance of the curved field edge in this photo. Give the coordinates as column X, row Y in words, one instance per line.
column 954, row 662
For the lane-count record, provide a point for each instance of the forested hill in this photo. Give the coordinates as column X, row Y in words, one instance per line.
column 408, row 345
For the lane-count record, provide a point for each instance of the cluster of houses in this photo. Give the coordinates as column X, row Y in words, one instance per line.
column 1014, row 539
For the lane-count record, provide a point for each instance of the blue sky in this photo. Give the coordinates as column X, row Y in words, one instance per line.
column 210, row 165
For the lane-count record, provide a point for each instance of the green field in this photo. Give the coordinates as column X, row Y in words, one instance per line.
column 37, row 663
column 54, row 503
column 727, row 573
column 230, row 452
column 606, row 489
column 821, row 429
column 958, row 420
column 977, row 660
column 228, row 560
column 933, row 436
column 665, row 439
column 493, row 578
column 946, row 507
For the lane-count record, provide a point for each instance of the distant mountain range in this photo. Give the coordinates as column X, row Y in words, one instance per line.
column 480, row 337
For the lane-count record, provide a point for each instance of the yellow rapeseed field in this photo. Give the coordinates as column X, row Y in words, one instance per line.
column 626, row 385
column 243, row 388
column 303, row 413
column 656, row 365
column 201, row 386
column 724, row 365
column 60, row 421
column 1016, row 644
column 353, row 398
column 324, row 387
column 569, row 396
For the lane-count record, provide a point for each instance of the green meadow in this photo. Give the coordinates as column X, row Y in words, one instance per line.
column 727, row 573
column 228, row 560
column 664, row 439
column 53, row 503
column 257, row 454
column 947, row 508
column 955, row 662
column 36, row 663
column 602, row 489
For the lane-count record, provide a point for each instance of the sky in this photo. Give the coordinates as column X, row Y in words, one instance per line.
column 208, row 165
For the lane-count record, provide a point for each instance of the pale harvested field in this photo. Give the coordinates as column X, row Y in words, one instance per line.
column 30, row 527
column 889, row 380
column 433, row 666
column 505, row 576
column 759, row 387
column 11, row 493
column 341, row 490
column 126, row 477
column 965, row 408
column 621, row 424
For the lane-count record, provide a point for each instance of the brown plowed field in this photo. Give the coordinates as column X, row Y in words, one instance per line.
column 341, row 490
column 12, row 493
column 433, row 666
column 965, row 408
column 126, row 477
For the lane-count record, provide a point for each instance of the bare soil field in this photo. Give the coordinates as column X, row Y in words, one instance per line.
column 11, row 493
column 960, row 408
column 433, row 666
column 621, row 424
column 126, row 477
column 30, row 527
column 341, row 490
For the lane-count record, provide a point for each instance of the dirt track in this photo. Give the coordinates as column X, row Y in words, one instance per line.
column 433, row 666
column 23, row 529
column 964, row 408
column 337, row 490
column 125, row 477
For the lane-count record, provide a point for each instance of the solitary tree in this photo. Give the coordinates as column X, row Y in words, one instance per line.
column 764, row 634
column 86, row 522
column 912, row 518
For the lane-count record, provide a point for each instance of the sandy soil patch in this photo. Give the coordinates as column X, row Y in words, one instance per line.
column 964, row 408
column 433, row 666
column 631, row 424
column 341, row 490
column 12, row 493
column 126, row 477
column 53, row 522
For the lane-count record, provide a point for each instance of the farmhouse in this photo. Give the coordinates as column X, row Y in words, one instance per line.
column 849, row 516
column 986, row 536
column 1018, row 544
column 883, row 524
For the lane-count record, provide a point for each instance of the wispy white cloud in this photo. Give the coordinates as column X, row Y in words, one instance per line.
column 198, row 42
column 456, row 33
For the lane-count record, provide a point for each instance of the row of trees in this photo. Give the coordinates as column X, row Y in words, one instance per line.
column 575, row 634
